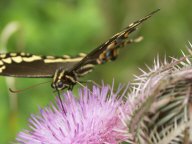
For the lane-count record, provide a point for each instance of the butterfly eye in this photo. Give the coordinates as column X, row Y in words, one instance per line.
column 60, row 85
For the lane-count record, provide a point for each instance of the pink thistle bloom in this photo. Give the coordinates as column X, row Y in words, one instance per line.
column 97, row 117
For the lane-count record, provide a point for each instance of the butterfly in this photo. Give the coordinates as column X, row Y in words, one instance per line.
column 65, row 70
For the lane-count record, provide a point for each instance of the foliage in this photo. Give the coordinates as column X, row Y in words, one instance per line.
column 72, row 26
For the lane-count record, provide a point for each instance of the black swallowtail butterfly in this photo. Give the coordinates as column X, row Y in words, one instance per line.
column 65, row 70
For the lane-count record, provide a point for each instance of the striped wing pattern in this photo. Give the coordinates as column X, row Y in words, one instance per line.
column 108, row 51
column 28, row 65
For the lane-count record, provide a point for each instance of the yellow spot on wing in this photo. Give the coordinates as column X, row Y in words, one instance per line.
column 111, row 46
column 126, row 35
column 13, row 54
column 1, row 63
column 82, row 54
column 17, row 59
column 22, row 54
column 2, row 55
column 32, row 58
column 62, row 60
column 50, row 57
column 7, row 60
column 66, row 56
column 2, row 68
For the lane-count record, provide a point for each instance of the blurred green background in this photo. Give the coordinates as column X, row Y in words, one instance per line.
column 58, row 27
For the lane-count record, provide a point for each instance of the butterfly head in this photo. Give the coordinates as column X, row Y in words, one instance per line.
column 62, row 80
column 59, row 85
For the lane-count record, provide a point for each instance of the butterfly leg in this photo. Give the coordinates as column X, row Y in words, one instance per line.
column 71, row 87
column 91, row 81
column 136, row 40
column 80, row 83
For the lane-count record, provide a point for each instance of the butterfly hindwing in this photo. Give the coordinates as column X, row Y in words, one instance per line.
column 28, row 65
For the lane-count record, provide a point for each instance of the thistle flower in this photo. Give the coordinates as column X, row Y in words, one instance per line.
column 95, row 118
column 157, row 110
column 159, row 103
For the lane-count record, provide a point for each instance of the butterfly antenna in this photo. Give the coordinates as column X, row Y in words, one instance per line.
column 30, row 87
column 61, row 101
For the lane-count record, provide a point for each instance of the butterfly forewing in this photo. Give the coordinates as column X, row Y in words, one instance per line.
column 109, row 50
column 28, row 65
